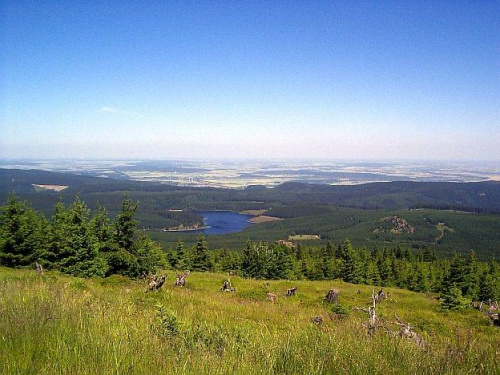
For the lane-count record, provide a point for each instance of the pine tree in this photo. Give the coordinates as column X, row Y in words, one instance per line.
column 386, row 272
column 471, row 277
column 125, row 225
column 150, row 256
column 82, row 256
column 456, row 274
column 489, row 284
column 451, row 299
column 372, row 274
column 101, row 229
column 182, row 261
column 350, row 271
column 23, row 234
column 201, row 258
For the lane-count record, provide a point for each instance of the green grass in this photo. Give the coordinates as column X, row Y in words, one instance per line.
column 58, row 324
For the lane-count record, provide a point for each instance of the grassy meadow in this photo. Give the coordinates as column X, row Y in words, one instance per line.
column 56, row 324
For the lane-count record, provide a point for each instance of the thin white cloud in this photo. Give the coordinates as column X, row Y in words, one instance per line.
column 109, row 110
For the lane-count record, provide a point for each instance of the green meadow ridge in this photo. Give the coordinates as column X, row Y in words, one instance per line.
column 64, row 324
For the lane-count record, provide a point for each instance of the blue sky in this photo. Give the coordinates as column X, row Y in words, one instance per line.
column 269, row 79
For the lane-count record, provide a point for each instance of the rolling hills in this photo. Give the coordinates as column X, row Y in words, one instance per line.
column 449, row 217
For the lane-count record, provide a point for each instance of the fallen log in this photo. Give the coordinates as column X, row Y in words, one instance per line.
column 406, row 331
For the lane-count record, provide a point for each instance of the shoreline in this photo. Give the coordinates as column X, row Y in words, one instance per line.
column 187, row 229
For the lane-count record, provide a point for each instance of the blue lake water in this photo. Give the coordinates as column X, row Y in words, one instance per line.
column 224, row 222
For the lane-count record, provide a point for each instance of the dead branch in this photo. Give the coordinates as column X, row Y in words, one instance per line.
column 373, row 319
column 379, row 297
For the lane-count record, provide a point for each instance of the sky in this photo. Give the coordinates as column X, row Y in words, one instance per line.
column 367, row 80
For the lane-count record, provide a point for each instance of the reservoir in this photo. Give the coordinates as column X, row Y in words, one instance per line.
column 224, row 222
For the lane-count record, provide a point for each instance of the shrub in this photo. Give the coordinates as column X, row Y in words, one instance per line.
column 166, row 323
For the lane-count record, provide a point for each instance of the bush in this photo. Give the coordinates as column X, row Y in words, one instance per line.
column 340, row 309
column 166, row 323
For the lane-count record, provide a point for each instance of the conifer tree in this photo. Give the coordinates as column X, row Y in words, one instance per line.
column 80, row 243
column 201, row 258
column 350, row 271
column 125, row 225
column 149, row 255
column 23, row 234
column 471, row 277
column 451, row 299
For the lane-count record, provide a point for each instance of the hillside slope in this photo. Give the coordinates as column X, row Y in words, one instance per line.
column 69, row 325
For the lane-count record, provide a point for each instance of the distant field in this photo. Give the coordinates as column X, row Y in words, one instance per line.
column 263, row 219
column 304, row 237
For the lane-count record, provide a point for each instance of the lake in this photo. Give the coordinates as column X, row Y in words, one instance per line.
column 224, row 222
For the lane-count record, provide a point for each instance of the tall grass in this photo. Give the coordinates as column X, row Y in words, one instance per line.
column 55, row 324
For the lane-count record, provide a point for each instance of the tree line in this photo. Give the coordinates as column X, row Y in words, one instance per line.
column 78, row 242
column 75, row 241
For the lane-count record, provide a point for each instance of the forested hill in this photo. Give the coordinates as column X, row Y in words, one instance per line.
column 473, row 197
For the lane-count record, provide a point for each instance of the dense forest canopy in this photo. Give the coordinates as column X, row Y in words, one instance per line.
column 80, row 242
column 448, row 217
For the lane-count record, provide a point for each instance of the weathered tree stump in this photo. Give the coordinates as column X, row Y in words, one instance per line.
column 318, row 320
column 227, row 287
column 379, row 297
column 333, row 296
column 39, row 269
column 181, row 278
column 271, row 297
column 156, row 283
column 494, row 319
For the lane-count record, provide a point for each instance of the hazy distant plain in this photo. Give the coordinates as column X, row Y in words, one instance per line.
column 240, row 174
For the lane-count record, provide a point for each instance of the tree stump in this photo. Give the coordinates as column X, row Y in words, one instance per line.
column 156, row 283
column 379, row 297
column 181, row 279
column 227, row 287
column 333, row 296
column 317, row 320
column 271, row 297
column 39, row 269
